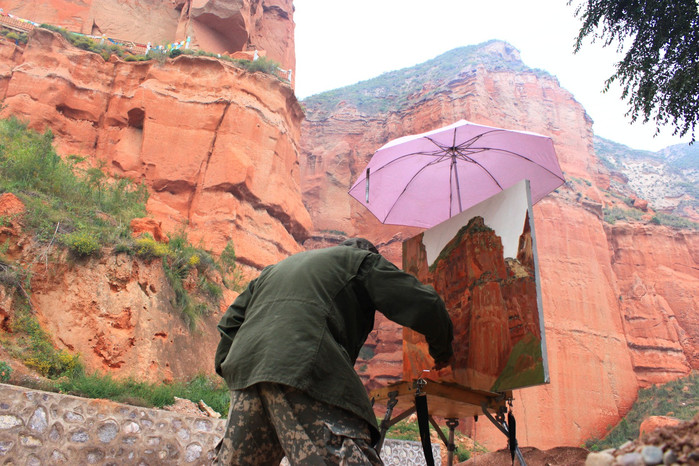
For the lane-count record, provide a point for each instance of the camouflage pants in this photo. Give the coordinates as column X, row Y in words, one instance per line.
column 268, row 421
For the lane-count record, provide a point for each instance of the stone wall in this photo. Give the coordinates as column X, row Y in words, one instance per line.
column 43, row 428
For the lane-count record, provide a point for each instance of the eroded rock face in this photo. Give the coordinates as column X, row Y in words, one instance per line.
column 216, row 146
column 116, row 313
column 617, row 300
column 216, row 26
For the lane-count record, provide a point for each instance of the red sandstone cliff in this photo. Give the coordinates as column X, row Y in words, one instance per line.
column 216, row 146
column 213, row 26
column 619, row 300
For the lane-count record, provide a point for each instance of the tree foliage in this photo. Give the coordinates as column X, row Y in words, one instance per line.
column 659, row 75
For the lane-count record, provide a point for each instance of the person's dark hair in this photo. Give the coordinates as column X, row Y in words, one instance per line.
column 360, row 243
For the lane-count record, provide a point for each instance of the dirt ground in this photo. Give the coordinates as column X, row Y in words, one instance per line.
column 682, row 439
column 559, row 456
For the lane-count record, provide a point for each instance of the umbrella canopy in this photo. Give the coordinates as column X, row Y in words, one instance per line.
column 424, row 179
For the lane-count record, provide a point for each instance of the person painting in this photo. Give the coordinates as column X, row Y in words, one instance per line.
column 288, row 346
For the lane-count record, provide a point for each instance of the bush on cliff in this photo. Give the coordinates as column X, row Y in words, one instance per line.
column 35, row 348
column 17, row 37
column 678, row 398
column 614, row 213
column 105, row 49
column 61, row 197
column 674, row 221
column 5, row 372
column 84, row 210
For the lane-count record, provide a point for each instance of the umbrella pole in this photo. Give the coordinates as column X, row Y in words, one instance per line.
column 456, row 178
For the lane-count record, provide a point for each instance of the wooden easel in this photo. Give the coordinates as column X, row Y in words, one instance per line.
column 448, row 401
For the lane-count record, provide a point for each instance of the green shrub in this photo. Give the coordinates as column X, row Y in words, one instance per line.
column 18, row 37
column 611, row 215
column 678, row 398
column 59, row 197
column 210, row 289
column 14, row 277
column 103, row 48
column 5, row 371
column 175, row 53
column 82, row 243
column 148, row 248
column 157, row 55
column 36, row 350
column 262, row 64
column 233, row 276
column 674, row 221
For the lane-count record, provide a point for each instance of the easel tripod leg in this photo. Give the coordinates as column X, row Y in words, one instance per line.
column 386, row 422
column 451, row 447
column 499, row 422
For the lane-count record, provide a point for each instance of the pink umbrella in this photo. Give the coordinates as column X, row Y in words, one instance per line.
column 424, row 179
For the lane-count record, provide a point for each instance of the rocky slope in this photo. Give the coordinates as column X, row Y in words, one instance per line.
column 668, row 179
column 619, row 300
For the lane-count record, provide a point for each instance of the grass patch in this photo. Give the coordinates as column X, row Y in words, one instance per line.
column 81, row 207
column 190, row 271
column 212, row 391
column 85, row 211
column 674, row 221
column 103, row 48
column 406, row 430
column 35, row 349
column 678, row 398
column 17, row 37
column 614, row 214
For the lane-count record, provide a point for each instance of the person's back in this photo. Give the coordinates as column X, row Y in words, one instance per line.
column 302, row 322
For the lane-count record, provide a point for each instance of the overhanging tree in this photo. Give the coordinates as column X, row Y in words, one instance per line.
column 659, row 75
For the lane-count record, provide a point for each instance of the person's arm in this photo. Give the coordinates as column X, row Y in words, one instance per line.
column 230, row 323
column 403, row 299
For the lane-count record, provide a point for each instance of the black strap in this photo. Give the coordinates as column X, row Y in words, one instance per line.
column 423, row 423
column 512, row 435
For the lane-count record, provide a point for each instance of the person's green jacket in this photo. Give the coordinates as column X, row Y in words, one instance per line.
column 303, row 321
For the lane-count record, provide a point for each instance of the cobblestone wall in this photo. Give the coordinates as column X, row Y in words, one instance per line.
column 43, row 428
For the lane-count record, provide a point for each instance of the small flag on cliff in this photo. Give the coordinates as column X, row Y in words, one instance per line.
column 425, row 179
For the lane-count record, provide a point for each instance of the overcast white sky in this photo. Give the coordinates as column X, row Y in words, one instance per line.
column 342, row 43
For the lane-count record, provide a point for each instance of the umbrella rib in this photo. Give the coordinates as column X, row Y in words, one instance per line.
column 405, row 188
column 483, row 149
column 398, row 159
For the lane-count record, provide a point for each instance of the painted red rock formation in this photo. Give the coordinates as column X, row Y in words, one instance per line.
column 618, row 300
column 213, row 26
column 216, row 146
column 493, row 307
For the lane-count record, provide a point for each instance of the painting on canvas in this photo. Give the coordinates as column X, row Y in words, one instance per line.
column 483, row 263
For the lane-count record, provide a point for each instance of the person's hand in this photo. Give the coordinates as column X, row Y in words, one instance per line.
column 438, row 366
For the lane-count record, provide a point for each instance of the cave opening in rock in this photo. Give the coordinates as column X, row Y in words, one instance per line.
column 136, row 118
